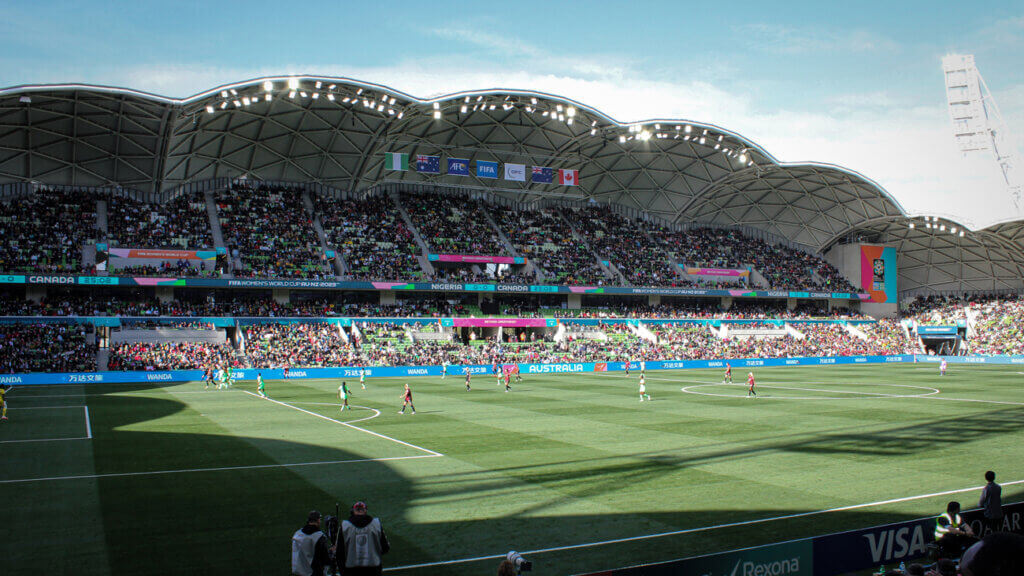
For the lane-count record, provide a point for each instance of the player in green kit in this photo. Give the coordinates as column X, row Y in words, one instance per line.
column 259, row 385
column 231, row 376
column 3, row 402
column 343, row 395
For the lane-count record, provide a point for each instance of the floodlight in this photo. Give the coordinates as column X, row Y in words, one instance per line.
column 479, row 98
column 594, row 123
column 223, row 104
column 593, row 131
column 293, row 83
column 345, row 100
column 392, row 102
column 464, row 109
column 545, row 114
column 209, row 109
column 570, row 111
column 657, row 126
column 332, row 86
column 319, row 84
column 558, row 107
column 267, row 97
column 911, row 226
column 223, row 93
column 316, row 95
column 400, row 114
column 391, row 112
column 942, row 228
column 493, row 106
column 717, row 146
column 689, row 128
column 561, row 117
column 358, row 92
column 234, row 92
column 952, row 229
column 961, row 233
column 303, row 94
column 678, row 127
column 720, row 137
column 533, row 101
column 743, row 157
column 569, row 121
column 245, row 100
column 437, row 114
column 437, row 106
column 645, row 135
column 380, row 108
column 622, row 139
column 702, row 140
column 330, row 97
column 467, row 100
column 237, row 104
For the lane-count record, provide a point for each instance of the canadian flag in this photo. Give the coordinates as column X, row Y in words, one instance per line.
column 569, row 177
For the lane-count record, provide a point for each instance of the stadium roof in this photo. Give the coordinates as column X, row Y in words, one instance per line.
column 334, row 131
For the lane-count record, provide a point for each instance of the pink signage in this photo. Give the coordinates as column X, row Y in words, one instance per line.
column 717, row 272
column 473, row 259
column 500, row 322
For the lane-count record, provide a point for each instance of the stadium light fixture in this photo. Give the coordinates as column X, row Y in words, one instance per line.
column 437, row 106
column 437, row 114
column 702, row 140
column 558, row 107
column 952, row 229
column 678, row 127
column 657, row 126
column 720, row 137
column 237, row 104
column 751, row 163
column 717, row 146
column 466, row 100
column 689, row 129
column 209, row 109
column 246, row 101
column 319, row 84
column 359, row 92
column 223, row 93
column 942, row 228
column 400, row 114
column 533, row 101
column 234, row 92
column 391, row 112
column 961, row 233
column 645, row 135
column 267, row 97
column 345, row 100
column 570, row 111
column 493, row 106
column 594, row 123
column 392, row 101
column 743, row 158
column 561, row 117
column 593, row 131
column 464, row 109
column 303, row 94
column 332, row 86
column 911, row 226
column 223, row 104
column 569, row 121
column 330, row 97
column 479, row 98
column 380, row 108
column 529, row 109
column 268, row 86
column 293, row 83
column 316, row 95
column 545, row 114
column 622, row 139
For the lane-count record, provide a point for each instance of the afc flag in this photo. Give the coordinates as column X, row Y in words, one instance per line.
column 569, row 177
column 543, row 175
column 458, row 167
column 428, row 164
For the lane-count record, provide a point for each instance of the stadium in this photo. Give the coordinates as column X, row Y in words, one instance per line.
column 187, row 283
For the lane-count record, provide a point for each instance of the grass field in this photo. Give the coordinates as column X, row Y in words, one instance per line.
column 142, row 479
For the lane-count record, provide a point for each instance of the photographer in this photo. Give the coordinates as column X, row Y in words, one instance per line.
column 363, row 543
column 310, row 554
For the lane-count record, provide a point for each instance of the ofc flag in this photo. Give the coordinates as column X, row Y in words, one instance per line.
column 428, row 164
column 542, row 175
column 396, row 161
column 515, row 172
column 486, row 169
column 569, row 177
column 458, row 167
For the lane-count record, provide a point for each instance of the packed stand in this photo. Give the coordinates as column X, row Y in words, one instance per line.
column 546, row 240
column 176, row 269
column 623, row 242
column 371, row 237
column 45, row 231
column 45, row 348
column 170, row 356
column 453, row 224
column 181, row 224
column 268, row 228
column 286, row 345
column 999, row 327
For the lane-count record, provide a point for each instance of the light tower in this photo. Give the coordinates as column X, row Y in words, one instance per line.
column 977, row 124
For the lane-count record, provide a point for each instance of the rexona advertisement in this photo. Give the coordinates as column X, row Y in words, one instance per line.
column 878, row 272
column 786, row 559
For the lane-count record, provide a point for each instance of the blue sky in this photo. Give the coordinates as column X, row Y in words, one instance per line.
column 858, row 84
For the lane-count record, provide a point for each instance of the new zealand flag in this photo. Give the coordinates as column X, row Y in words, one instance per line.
column 543, row 175
column 428, row 164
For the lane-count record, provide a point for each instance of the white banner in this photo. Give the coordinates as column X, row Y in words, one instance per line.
column 515, row 172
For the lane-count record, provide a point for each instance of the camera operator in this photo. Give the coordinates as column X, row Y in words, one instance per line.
column 310, row 554
column 363, row 543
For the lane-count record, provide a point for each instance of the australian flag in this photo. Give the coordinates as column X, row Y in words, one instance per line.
column 544, row 175
column 458, row 167
column 428, row 164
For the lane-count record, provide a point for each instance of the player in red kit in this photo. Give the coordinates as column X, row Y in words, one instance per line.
column 407, row 400
column 728, row 374
column 750, row 383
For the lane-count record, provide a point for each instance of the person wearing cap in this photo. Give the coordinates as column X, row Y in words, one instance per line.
column 310, row 554
column 363, row 543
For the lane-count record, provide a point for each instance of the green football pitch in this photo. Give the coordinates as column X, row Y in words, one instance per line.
column 572, row 470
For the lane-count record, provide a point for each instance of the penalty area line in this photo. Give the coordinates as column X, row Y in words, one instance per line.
column 221, row 469
column 322, row 417
column 699, row 529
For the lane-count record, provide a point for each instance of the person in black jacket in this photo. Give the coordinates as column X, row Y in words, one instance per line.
column 363, row 542
column 310, row 554
column 991, row 503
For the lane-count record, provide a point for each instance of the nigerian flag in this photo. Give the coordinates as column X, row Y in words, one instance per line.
column 395, row 161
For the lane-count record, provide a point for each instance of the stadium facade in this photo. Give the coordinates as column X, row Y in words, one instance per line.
column 332, row 134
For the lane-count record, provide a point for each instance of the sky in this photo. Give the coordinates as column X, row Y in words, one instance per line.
column 855, row 84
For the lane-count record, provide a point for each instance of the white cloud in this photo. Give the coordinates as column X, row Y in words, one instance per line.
column 780, row 39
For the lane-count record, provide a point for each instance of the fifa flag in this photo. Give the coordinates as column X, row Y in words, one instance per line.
column 569, row 177
column 428, row 164
column 393, row 161
column 458, row 167
column 515, row 172
column 542, row 175
column 486, row 169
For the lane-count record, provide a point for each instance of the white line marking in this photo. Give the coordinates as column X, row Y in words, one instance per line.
column 971, row 400
column 851, row 395
column 336, row 405
column 699, row 529
column 321, row 416
column 45, row 440
column 224, row 469
column 88, row 425
column 40, row 407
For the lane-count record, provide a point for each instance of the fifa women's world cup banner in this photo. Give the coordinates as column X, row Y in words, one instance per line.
column 147, row 254
column 736, row 272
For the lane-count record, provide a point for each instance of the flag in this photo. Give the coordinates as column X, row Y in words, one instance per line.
column 544, row 175
column 458, row 167
column 516, row 172
column 428, row 164
column 569, row 177
column 396, row 161
column 486, row 169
